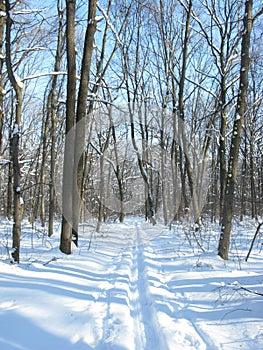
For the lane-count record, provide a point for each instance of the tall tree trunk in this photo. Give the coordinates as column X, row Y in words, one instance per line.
column 37, row 178
column 117, row 171
column 222, row 141
column 42, row 186
column 244, row 183
column 181, row 118
column 17, row 86
column 101, row 193
column 81, row 115
column 252, row 180
column 66, row 230
column 2, row 27
column 53, row 112
column 9, row 192
column 224, row 242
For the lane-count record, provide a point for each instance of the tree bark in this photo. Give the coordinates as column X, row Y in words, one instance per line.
column 181, row 119
column 2, row 27
column 66, row 230
column 15, row 138
column 53, row 112
column 81, row 115
column 224, row 242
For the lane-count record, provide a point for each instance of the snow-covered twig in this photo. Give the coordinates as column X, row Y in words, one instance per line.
column 251, row 291
column 105, row 15
column 42, row 75
column 51, row 260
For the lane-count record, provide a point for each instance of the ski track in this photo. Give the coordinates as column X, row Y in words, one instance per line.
column 133, row 290
column 138, row 276
column 152, row 277
column 144, row 315
column 131, row 280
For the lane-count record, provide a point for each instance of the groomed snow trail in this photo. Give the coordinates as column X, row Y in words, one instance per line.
column 147, row 330
column 163, row 324
column 129, row 294
column 135, row 287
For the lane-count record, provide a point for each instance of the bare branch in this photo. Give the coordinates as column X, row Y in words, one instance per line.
column 40, row 75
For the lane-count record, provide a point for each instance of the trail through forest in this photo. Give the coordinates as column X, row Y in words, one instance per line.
column 134, row 287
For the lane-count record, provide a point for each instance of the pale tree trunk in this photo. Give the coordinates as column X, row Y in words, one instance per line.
column 103, row 146
column 163, row 171
column 180, row 201
column 252, row 177
column 224, row 241
column 244, row 182
column 101, row 194
column 42, row 178
column 66, row 230
column 144, row 162
column 53, row 112
column 117, row 171
column 81, row 115
column 9, row 192
column 9, row 199
column 222, row 143
column 15, row 137
column 38, row 175
column 181, row 118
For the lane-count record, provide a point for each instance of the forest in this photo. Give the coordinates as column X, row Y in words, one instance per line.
column 116, row 108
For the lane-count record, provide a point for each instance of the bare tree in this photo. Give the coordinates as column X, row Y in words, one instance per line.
column 15, row 138
column 222, row 38
column 2, row 27
column 66, row 230
column 81, row 115
column 135, row 86
column 52, row 109
column 224, row 242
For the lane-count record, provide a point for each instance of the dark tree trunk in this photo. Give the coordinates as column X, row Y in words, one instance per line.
column 15, row 138
column 224, row 241
column 66, row 230
column 2, row 27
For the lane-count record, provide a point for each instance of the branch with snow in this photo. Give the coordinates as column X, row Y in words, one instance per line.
column 35, row 76
column 109, row 23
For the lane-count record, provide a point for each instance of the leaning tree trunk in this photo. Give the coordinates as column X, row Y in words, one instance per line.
column 17, row 86
column 224, row 242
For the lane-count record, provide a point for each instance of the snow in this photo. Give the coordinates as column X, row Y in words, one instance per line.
column 19, row 82
column 99, row 18
column 138, row 287
column 16, row 130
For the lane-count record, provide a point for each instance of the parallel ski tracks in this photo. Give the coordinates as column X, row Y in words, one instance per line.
column 147, row 330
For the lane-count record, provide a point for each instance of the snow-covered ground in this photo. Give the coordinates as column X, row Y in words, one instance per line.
column 135, row 287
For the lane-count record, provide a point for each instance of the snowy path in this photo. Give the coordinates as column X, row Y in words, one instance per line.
column 139, row 287
column 144, row 314
column 163, row 329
